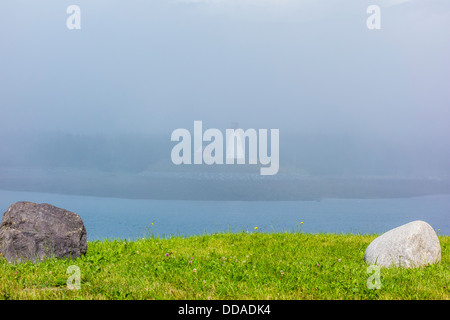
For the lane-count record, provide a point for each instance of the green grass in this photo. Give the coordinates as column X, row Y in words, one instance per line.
column 226, row 266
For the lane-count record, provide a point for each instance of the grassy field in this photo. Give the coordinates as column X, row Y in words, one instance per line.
column 237, row 266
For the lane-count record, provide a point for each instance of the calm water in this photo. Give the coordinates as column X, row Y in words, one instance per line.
column 129, row 218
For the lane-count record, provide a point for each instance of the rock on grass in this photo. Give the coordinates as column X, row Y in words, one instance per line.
column 33, row 232
column 411, row 245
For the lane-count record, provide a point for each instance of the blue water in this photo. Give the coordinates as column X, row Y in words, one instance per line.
column 113, row 218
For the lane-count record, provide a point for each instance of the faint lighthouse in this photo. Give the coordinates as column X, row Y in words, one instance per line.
column 235, row 144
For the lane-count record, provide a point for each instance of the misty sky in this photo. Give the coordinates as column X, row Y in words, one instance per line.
column 310, row 66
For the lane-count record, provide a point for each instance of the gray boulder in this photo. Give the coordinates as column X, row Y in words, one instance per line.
column 31, row 231
column 411, row 245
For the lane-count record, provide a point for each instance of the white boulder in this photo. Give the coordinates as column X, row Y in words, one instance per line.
column 411, row 245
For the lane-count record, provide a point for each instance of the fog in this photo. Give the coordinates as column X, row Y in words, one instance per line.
column 349, row 102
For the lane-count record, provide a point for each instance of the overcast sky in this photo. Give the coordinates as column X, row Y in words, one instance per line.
column 154, row 66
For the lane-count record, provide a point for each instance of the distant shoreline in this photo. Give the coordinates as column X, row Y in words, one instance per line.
column 196, row 187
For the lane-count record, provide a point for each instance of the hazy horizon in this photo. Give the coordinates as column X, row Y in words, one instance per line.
column 348, row 101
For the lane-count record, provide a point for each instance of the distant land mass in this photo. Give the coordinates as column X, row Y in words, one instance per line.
column 138, row 166
column 216, row 186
